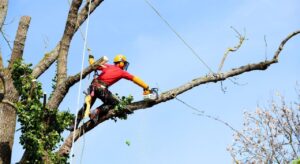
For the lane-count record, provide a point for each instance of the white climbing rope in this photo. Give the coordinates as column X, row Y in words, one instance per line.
column 80, row 82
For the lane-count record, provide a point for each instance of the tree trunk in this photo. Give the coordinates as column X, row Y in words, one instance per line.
column 7, row 118
column 7, row 132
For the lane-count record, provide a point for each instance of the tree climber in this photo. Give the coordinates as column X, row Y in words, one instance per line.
column 110, row 74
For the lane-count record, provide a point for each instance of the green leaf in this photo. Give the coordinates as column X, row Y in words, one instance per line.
column 127, row 142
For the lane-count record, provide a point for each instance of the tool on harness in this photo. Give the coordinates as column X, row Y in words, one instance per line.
column 153, row 95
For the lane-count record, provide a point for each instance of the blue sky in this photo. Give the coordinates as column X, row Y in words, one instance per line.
column 170, row 132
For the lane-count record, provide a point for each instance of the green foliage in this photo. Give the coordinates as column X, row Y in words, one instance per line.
column 41, row 128
column 53, row 83
column 127, row 142
column 296, row 161
column 121, row 108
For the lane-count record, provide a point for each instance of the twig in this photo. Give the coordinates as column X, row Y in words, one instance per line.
column 46, row 42
column 224, row 89
column 266, row 47
column 235, row 48
column 6, row 40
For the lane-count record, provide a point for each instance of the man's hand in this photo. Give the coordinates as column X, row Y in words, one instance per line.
column 147, row 91
column 91, row 59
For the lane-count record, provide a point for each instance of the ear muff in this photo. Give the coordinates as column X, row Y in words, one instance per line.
column 121, row 64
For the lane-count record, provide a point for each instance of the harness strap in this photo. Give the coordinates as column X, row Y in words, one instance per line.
column 99, row 84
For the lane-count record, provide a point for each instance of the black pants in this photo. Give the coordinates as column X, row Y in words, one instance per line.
column 108, row 99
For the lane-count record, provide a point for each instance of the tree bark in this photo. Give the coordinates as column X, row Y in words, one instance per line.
column 7, row 121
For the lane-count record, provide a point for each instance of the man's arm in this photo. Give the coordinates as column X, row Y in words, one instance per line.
column 142, row 84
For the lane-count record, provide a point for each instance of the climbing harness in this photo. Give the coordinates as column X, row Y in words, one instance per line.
column 96, row 83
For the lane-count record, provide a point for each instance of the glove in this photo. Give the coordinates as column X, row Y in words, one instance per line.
column 91, row 59
column 147, row 91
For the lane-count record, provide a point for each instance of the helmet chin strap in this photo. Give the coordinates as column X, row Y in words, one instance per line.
column 126, row 65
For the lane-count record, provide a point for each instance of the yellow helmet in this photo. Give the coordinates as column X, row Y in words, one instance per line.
column 120, row 58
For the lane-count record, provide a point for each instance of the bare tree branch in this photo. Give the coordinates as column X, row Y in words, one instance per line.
column 50, row 57
column 171, row 94
column 66, row 40
column 283, row 43
column 20, row 40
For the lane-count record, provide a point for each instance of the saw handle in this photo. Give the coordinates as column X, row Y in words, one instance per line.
column 151, row 95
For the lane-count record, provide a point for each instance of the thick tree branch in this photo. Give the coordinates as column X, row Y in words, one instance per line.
column 66, row 40
column 82, row 16
column 20, row 40
column 46, row 62
column 171, row 94
column 3, row 11
column 63, row 88
column 50, row 57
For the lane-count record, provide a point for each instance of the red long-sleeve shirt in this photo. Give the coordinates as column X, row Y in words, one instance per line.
column 111, row 74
